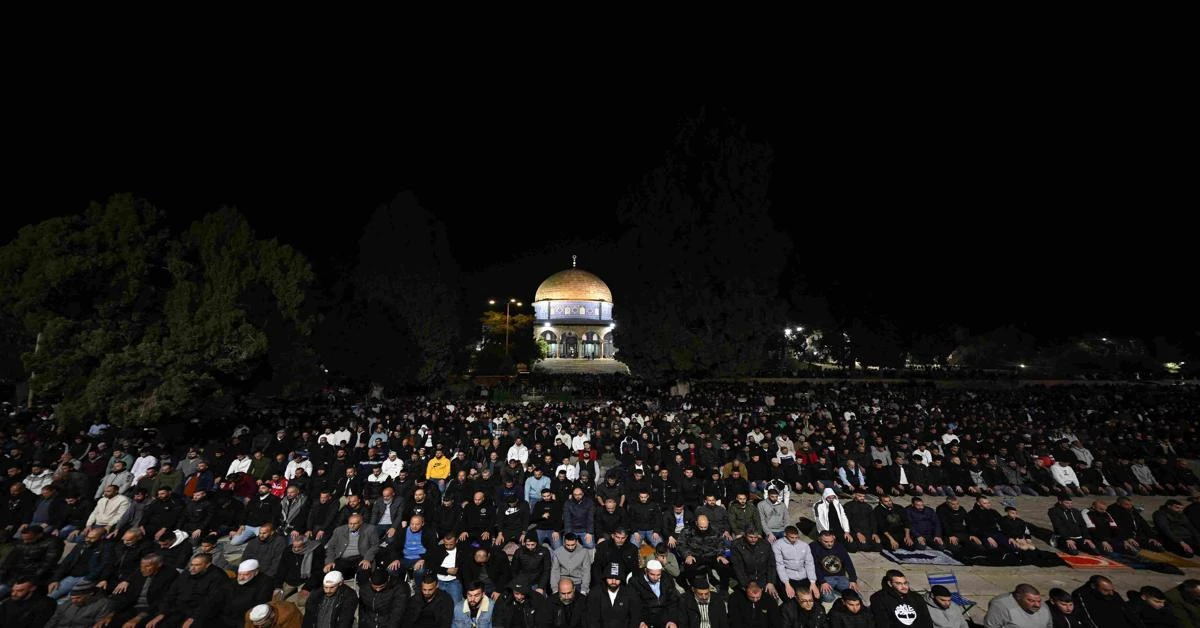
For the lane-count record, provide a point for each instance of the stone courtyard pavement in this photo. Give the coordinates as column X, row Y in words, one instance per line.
column 981, row 584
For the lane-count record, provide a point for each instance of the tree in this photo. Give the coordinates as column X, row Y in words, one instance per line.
column 704, row 258
column 137, row 327
column 406, row 270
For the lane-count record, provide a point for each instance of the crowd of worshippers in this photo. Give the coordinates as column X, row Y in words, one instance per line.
column 397, row 497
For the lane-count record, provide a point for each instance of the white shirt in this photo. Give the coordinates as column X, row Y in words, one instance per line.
column 572, row 471
column 926, row 456
column 448, row 562
column 239, row 466
column 580, row 439
column 140, row 465
column 109, row 512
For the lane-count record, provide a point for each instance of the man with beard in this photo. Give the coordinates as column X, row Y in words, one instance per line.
column 26, row 606
column 572, row 563
column 954, row 525
column 434, row 609
column 253, row 588
column 490, row 567
column 703, row 550
column 805, row 611
column 351, row 547
column 531, row 564
column 522, row 607
column 197, row 595
column 275, row 614
column 616, row 549
column 334, row 609
column 1132, row 528
column 547, row 518
column 659, row 599
column 322, row 516
column 864, row 529
column 89, row 561
column 267, row 549
column 476, row 610
column 1101, row 606
column 300, row 567
column 568, row 607
column 260, row 510
column 674, row 522
column 162, row 515
column 703, row 607
column 293, row 512
column 748, row 608
column 835, row 569
column 984, row 524
column 614, row 606
column 895, row 606
column 1022, row 608
column 894, row 527
column 197, row 513
column 382, row 600
column 34, row 558
column 85, row 609
column 753, row 560
column 513, row 521
column 126, row 556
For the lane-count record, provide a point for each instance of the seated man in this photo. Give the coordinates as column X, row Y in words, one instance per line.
column 1069, row 527
column 1178, row 533
column 1133, row 530
column 835, row 569
column 351, row 547
column 926, row 527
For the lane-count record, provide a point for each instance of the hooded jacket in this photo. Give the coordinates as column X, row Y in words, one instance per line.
column 892, row 610
column 952, row 617
column 821, row 510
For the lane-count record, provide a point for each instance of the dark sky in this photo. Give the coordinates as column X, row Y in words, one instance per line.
column 1063, row 220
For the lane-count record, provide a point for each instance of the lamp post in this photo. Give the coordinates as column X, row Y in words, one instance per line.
column 507, row 318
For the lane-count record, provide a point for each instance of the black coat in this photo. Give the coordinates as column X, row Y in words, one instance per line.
column 886, row 603
column 436, row 613
column 345, row 603
column 573, row 615
column 624, row 612
column 382, row 609
column 839, row 617
column 793, row 617
column 156, row 595
column 743, row 613
column 201, row 597
column 689, row 615
column 657, row 610
column 34, row 560
column 35, row 610
column 243, row 597
column 536, row 610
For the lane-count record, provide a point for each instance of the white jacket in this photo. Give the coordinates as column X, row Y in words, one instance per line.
column 520, row 452
column 239, row 466
column 391, row 468
column 821, row 511
column 140, row 465
column 109, row 512
column 290, row 472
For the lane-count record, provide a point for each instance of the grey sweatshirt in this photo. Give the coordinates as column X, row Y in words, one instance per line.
column 575, row 565
column 773, row 516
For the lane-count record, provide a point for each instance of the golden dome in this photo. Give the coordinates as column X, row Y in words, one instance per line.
column 573, row 285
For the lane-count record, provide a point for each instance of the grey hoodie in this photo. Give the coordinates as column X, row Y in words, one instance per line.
column 773, row 516
column 952, row 617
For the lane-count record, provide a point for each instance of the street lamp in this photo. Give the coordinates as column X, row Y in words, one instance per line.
column 507, row 318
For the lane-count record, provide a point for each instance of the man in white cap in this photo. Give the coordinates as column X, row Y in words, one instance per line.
column 253, row 588
column 277, row 614
column 660, row 602
column 334, row 609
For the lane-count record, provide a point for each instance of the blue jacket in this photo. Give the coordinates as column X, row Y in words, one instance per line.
column 924, row 522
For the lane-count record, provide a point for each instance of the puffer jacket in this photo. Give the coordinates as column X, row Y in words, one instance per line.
column 34, row 560
column 382, row 609
column 702, row 544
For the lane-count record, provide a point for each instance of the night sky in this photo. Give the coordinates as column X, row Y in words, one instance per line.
column 1060, row 221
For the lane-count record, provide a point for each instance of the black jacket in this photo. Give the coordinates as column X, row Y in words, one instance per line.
column 743, row 613
column 345, row 603
column 382, row 609
column 436, row 613
column 689, row 615
column 536, row 611
column 793, row 617
column 753, row 562
column 657, row 610
column 498, row 569
column 35, row 560
column 1099, row 611
column 608, row 553
column 243, row 597
column 160, row 584
column 1068, row 522
column 201, row 597
column 35, row 610
column 573, row 615
column 624, row 612
column 533, row 567
column 839, row 617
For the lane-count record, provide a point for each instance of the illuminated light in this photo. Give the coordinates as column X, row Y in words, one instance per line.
column 1104, row 340
column 491, row 301
column 1021, row 365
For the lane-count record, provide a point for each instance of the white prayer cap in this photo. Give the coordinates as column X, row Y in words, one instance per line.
column 248, row 566
column 653, row 564
column 260, row 612
column 332, row 578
